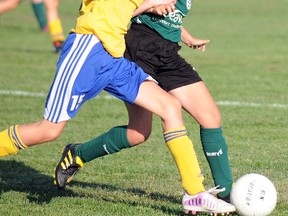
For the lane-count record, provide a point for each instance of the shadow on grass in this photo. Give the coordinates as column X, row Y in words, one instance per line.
column 153, row 200
column 157, row 201
column 16, row 176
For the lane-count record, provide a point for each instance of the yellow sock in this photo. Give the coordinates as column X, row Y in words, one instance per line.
column 182, row 150
column 56, row 30
column 10, row 142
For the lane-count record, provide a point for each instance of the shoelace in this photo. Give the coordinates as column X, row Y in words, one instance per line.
column 214, row 191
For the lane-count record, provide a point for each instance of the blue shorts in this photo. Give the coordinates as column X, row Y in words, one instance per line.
column 84, row 69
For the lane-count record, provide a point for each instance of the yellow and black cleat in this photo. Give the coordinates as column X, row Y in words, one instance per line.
column 67, row 167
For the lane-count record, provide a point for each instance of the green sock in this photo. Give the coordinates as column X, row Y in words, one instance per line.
column 108, row 143
column 39, row 11
column 216, row 152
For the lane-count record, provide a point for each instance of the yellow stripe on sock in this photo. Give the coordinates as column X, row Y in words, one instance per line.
column 6, row 145
column 186, row 160
column 15, row 138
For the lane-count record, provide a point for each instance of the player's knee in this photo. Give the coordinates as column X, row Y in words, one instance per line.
column 52, row 134
column 137, row 137
column 144, row 135
column 217, row 119
column 173, row 109
column 212, row 120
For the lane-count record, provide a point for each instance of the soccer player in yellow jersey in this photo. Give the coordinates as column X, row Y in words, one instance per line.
column 48, row 20
column 92, row 61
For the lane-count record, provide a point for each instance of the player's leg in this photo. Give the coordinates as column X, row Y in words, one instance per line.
column 98, row 78
column 198, row 102
column 21, row 136
column 168, row 108
column 139, row 125
column 110, row 142
column 60, row 107
column 54, row 24
column 158, row 101
column 8, row 5
column 18, row 137
column 40, row 14
column 164, row 65
column 120, row 137
column 162, row 104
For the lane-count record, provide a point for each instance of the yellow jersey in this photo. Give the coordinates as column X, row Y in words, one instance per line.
column 108, row 20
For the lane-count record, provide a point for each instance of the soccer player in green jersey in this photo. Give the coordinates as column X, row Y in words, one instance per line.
column 153, row 43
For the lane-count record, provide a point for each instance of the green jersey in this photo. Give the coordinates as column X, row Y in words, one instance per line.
column 168, row 26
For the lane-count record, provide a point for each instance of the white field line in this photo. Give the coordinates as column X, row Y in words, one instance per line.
column 221, row 103
column 21, row 93
column 251, row 104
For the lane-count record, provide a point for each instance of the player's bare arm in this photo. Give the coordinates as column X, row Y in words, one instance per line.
column 195, row 43
column 162, row 9
column 148, row 4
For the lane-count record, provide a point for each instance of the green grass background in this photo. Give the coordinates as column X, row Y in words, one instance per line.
column 246, row 62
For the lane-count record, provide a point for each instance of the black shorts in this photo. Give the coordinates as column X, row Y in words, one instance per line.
column 159, row 58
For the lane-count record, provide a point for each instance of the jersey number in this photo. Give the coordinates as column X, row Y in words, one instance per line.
column 77, row 100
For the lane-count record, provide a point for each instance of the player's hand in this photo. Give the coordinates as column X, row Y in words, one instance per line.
column 162, row 9
column 147, row 5
column 163, row 2
column 199, row 44
column 195, row 43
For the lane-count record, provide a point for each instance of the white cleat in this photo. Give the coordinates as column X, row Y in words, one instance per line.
column 207, row 202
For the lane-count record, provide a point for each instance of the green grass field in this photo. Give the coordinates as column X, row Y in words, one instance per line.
column 245, row 68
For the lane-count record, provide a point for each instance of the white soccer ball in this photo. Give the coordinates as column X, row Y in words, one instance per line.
column 254, row 195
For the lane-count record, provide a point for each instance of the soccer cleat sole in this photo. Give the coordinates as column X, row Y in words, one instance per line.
column 193, row 212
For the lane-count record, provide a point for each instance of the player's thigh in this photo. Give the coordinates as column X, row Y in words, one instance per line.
column 73, row 86
column 139, row 125
column 161, row 103
column 198, row 102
